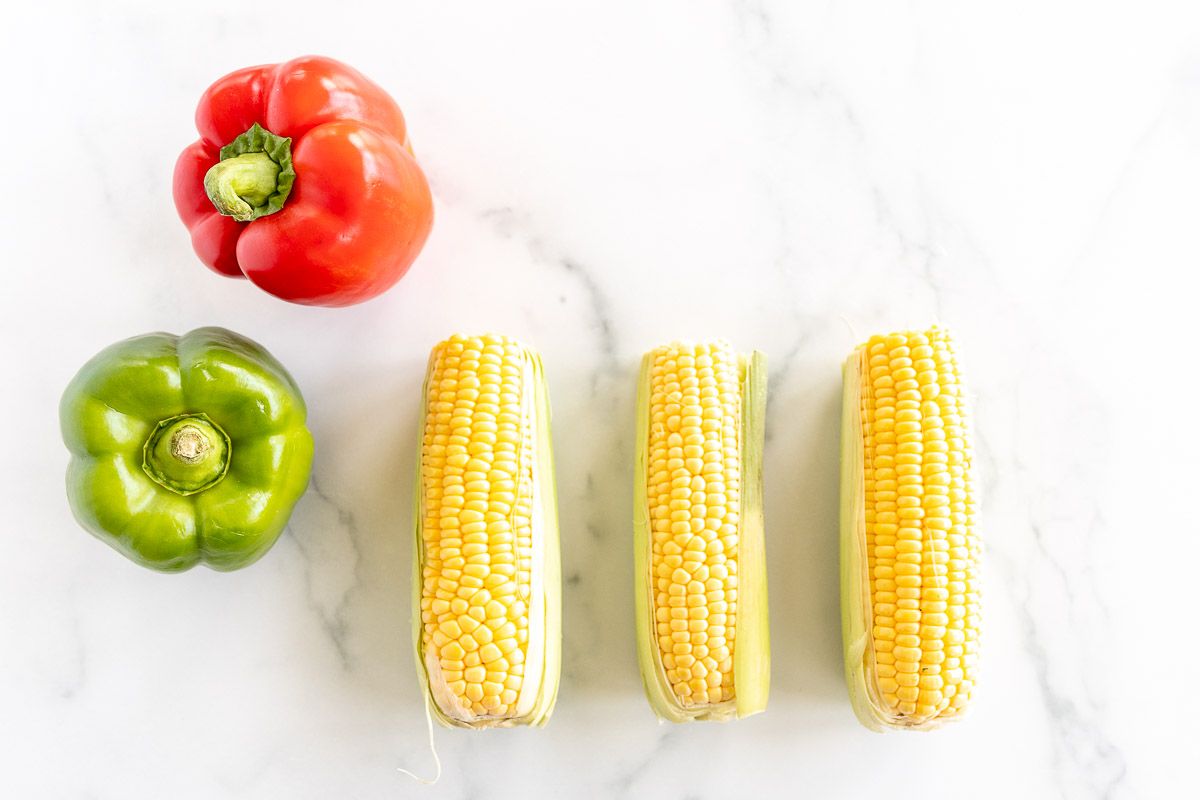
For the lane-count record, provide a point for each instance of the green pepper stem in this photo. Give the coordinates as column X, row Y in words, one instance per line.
column 186, row 454
column 189, row 444
column 240, row 184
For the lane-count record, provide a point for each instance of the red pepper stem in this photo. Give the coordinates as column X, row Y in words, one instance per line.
column 253, row 177
column 240, row 184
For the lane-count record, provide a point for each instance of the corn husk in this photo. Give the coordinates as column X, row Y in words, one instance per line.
column 751, row 650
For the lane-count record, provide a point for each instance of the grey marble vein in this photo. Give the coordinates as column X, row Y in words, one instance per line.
column 326, row 535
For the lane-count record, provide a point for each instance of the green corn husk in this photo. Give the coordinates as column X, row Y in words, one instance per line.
column 551, row 582
column 752, row 649
column 856, row 623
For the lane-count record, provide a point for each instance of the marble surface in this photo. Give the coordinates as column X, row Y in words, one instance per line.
column 791, row 176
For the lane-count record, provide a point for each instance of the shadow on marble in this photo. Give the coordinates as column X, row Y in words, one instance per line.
column 353, row 530
column 593, row 439
column 801, row 475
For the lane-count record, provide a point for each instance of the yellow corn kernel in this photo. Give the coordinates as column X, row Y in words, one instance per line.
column 910, row 550
column 695, row 420
column 700, row 414
column 486, row 505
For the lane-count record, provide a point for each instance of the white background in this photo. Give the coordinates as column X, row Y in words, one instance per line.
column 790, row 175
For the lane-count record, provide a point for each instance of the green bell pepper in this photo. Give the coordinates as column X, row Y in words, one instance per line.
column 185, row 449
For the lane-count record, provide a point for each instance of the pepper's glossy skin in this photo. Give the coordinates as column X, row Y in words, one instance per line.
column 360, row 210
column 112, row 409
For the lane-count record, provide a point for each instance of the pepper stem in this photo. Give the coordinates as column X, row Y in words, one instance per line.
column 253, row 177
column 240, row 184
column 186, row 454
column 189, row 444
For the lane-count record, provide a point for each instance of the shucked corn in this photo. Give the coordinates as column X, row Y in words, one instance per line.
column 487, row 541
column 910, row 553
column 701, row 581
column 487, row 574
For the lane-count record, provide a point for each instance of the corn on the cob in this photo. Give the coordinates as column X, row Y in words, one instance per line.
column 700, row 567
column 486, row 580
column 910, row 554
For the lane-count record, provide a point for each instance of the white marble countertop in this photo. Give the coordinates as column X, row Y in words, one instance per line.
column 791, row 176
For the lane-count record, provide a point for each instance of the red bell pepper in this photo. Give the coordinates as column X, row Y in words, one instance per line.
column 304, row 182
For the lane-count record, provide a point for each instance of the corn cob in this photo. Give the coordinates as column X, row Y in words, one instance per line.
column 486, row 571
column 700, row 567
column 910, row 554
